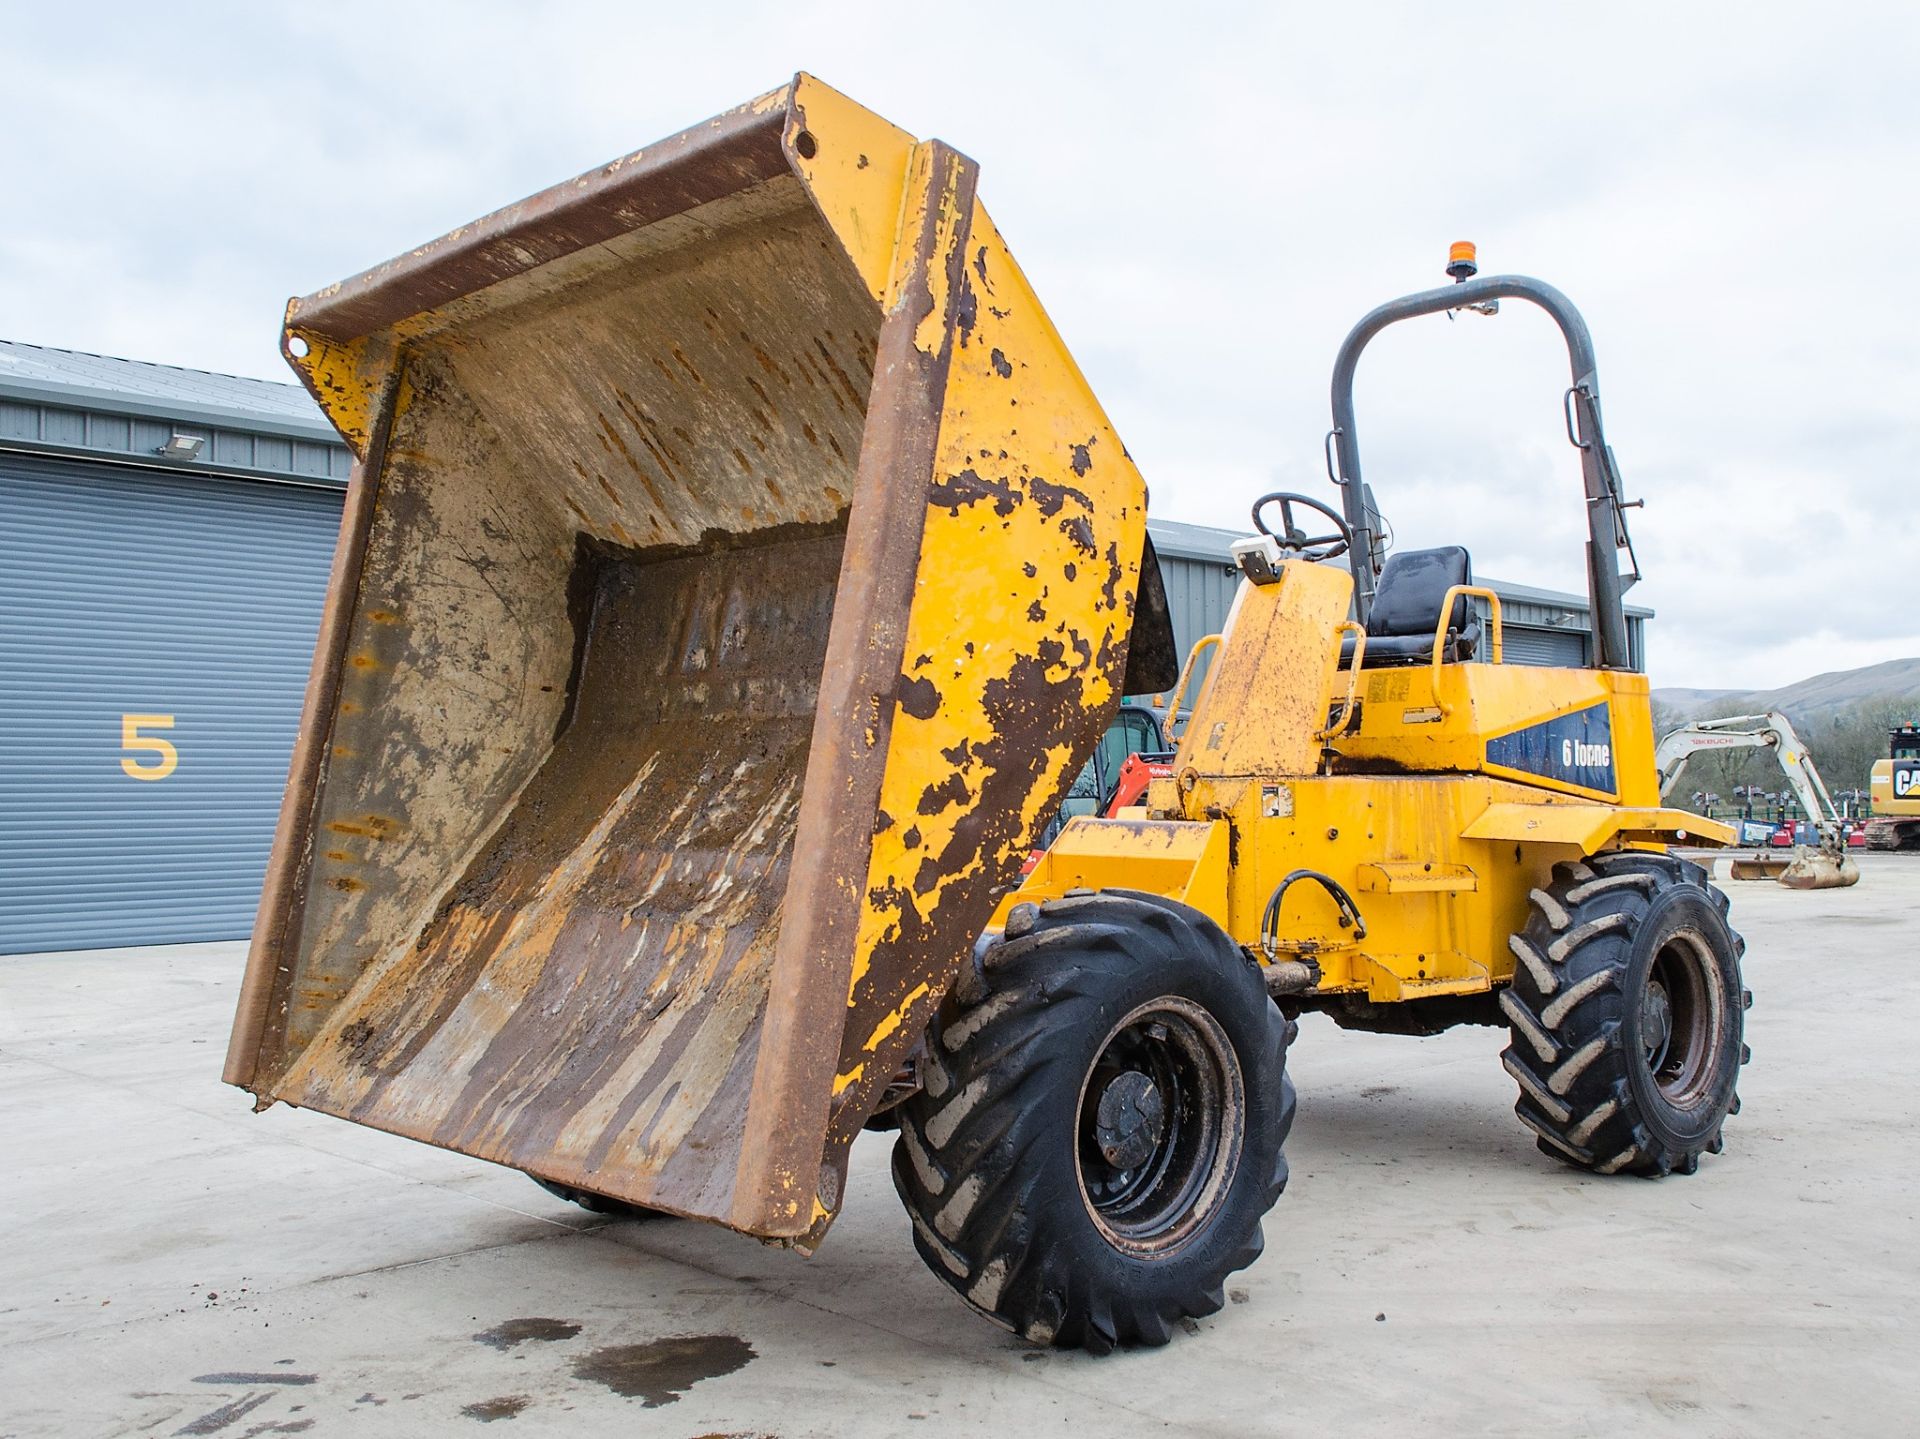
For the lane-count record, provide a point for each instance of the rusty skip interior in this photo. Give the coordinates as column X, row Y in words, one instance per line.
column 580, row 679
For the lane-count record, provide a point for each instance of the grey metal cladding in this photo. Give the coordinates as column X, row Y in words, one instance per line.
column 1199, row 583
column 65, row 402
column 1528, row 645
column 107, row 383
column 135, row 592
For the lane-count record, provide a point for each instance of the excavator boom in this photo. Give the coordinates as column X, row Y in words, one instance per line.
column 1826, row 867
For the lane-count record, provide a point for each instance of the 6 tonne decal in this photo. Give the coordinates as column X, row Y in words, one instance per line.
column 1576, row 749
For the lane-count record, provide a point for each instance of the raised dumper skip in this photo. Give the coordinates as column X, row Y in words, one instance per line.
column 735, row 572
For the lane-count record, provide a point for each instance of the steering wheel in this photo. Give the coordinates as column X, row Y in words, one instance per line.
column 1292, row 538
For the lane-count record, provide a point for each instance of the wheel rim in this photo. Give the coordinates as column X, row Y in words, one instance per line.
column 1160, row 1119
column 1682, row 1015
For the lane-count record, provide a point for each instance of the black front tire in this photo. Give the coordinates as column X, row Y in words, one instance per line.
column 1100, row 1130
column 1627, row 1011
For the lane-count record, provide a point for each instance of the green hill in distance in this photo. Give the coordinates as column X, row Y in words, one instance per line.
column 1843, row 716
column 1838, row 689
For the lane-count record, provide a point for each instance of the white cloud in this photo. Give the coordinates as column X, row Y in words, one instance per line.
column 1206, row 202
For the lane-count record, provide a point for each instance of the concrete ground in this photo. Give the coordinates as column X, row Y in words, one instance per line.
column 171, row 1263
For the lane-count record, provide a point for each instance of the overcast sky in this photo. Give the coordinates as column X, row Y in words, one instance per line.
column 1205, row 197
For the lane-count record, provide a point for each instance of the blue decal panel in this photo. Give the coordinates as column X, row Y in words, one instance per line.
column 1575, row 749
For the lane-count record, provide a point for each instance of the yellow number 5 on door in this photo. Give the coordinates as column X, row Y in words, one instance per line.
column 166, row 757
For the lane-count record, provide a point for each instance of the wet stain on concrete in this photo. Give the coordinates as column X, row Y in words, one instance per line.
column 510, row 1332
column 660, row 1371
column 215, row 1420
column 507, row 1406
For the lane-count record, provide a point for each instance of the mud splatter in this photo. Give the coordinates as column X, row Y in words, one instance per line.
column 660, row 1371
column 507, row 1406
column 519, row 1331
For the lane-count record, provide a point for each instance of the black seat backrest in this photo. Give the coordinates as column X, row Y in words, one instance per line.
column 1406, row 610
column 1412, row 588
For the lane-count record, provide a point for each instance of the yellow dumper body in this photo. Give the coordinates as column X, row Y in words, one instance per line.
column 735, row 570
column 1438, row 797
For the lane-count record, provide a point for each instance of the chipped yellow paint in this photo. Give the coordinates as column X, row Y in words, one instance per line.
column 349, row 379
column 898, row 1016
column 1048, row 481
column 932, row 336
column 1265, row 695
column 1431, row 718
column 1181, row 859
column 343, row 378
column 771, row 101
column 1591, row 826
column 857, row 175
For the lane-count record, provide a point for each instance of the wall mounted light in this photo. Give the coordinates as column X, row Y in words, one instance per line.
column 181, row 446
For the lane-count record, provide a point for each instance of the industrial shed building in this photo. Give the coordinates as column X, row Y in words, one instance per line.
column 1539, row 627
column 157, row 616
column 165, row 539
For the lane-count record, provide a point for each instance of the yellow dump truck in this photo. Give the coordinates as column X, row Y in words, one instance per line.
column 735, row 572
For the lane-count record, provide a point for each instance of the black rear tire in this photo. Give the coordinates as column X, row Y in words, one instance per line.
column 1100, row 1130
column 598, row 1203
column 1627, row 1011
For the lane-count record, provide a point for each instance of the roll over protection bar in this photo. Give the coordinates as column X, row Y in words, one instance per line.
column 1606, row 518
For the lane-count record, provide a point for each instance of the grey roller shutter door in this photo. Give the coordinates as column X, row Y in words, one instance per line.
column 1199, row 597
column 187, row 600
column 1524, row 645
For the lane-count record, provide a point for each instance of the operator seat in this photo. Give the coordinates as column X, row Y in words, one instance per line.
column 1406, row 610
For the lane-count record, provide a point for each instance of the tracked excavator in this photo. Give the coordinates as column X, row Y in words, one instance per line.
column 1895, row 793
column 1825, row 865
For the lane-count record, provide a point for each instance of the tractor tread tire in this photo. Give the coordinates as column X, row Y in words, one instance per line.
column 1568, row 1012
column 984, row 1162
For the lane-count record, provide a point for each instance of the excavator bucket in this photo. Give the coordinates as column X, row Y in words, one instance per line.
column 1757, row 866
column 735, row 570
column 1812, row 868
column 1806, row 868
